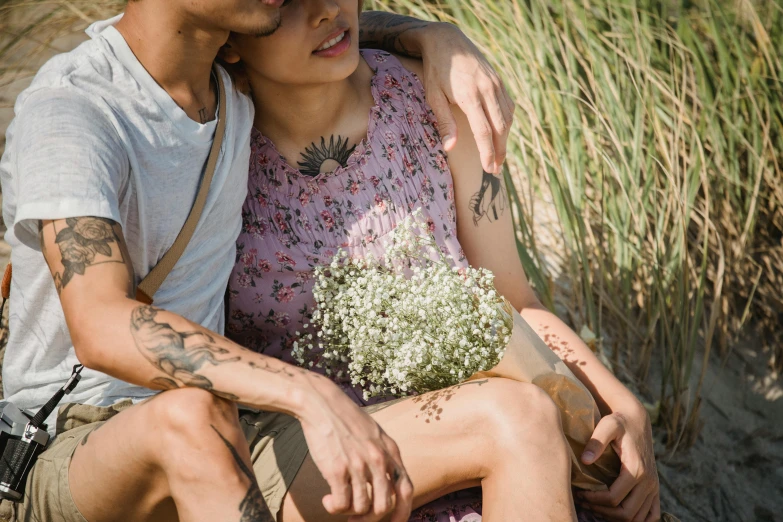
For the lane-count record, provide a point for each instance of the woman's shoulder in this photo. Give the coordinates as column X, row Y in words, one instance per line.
column 383, row 61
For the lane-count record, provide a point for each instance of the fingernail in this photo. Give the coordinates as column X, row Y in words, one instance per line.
column 588, row 455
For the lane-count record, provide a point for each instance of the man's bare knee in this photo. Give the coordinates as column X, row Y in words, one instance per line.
column 187, row 418
column 185, row 408
column 198, row 438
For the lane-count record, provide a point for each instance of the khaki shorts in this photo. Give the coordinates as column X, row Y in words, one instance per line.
column 277, row 450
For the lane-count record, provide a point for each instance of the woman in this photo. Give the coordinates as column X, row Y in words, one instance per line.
column 323, row 176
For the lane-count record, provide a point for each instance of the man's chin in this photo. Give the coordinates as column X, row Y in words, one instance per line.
column 267, row 29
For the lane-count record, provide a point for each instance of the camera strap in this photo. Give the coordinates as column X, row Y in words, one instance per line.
column 48, row 408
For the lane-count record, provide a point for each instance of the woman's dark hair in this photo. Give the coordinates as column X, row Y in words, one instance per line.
column 238, row 73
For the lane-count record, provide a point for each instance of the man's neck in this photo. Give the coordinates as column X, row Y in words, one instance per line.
column 176, row 53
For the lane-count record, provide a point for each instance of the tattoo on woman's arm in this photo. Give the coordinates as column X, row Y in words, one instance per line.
column 325, row 157
column 85, row 242
column 490, row 200
column 384, row 31
column 253, row 507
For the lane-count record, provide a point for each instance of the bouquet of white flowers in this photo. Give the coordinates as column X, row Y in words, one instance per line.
column 410, row 323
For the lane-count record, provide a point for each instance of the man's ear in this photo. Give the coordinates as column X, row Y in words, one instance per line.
column 228, row 54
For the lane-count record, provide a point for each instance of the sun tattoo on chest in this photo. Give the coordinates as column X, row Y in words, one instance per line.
column 326, row 157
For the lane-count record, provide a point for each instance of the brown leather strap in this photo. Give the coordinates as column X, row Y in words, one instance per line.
column 6, row 286
column 150, row 284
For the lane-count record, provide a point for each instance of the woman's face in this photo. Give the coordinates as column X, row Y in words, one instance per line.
column 317, row 42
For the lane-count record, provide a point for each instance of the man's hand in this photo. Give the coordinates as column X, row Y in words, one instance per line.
column 634, row 495
column 351, row 451
column 455, row 72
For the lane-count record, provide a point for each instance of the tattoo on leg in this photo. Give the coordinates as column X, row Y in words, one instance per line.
column 179, row 355
column 325, row 157
column 490, row 200
column 81, row 242
column 384, row 31
column 253, row 507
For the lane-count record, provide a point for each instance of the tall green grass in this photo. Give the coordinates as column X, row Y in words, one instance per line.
column 651, row 132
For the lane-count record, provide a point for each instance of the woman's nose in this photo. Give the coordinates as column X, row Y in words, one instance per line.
column 324, row 11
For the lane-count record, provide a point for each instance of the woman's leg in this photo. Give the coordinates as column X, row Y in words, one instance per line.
column 503, row 435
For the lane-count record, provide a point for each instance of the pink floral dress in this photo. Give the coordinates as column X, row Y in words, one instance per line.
column 292, row 222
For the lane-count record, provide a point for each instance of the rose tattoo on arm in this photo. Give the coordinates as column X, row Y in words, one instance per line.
column 84, row 242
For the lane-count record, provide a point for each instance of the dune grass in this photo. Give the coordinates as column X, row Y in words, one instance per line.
column 651, row 130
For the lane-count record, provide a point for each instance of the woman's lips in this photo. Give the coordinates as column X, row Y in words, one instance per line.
column 338, row 48
column 273, row 3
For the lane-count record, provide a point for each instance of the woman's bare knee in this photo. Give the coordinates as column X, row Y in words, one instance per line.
column 520, row 414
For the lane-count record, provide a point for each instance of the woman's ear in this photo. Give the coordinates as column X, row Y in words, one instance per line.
column 228, row 54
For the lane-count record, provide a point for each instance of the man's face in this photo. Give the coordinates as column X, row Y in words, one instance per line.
column 253, row 17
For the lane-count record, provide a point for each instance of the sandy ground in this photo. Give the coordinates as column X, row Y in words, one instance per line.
column 735, row 470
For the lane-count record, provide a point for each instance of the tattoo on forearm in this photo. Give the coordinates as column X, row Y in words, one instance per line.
column 85, row 242
column 384, row 31
column 253, row 507
column 325, row 157
column 179, row 355
column 490, row 200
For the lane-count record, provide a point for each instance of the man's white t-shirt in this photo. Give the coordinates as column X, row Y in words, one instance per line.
column 95, row 135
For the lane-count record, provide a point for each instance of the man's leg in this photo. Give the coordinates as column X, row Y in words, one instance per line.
column 504, row 435
column 179, row 456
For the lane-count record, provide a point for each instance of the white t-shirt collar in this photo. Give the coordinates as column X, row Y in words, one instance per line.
column 193, row 130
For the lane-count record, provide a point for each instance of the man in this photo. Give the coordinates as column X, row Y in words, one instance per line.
column 101, row 168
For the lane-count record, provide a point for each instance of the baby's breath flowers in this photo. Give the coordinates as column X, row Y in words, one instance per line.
column 407, row 323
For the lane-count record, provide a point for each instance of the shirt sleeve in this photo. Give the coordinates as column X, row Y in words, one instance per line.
column 70, row 162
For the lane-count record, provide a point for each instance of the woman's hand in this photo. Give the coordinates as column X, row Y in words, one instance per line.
column 455, row 72
column 634, row 495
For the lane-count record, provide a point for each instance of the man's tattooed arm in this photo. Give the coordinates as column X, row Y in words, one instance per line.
column 99, row 306
column 253, row 507
column 180, row 355
column 491, row 199
column 387, row 31
column 82, row 242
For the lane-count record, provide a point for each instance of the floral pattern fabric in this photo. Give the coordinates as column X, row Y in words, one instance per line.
column 292, row 222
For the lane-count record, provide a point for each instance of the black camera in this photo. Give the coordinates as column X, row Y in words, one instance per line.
column 20, row 445
column 22, row 438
